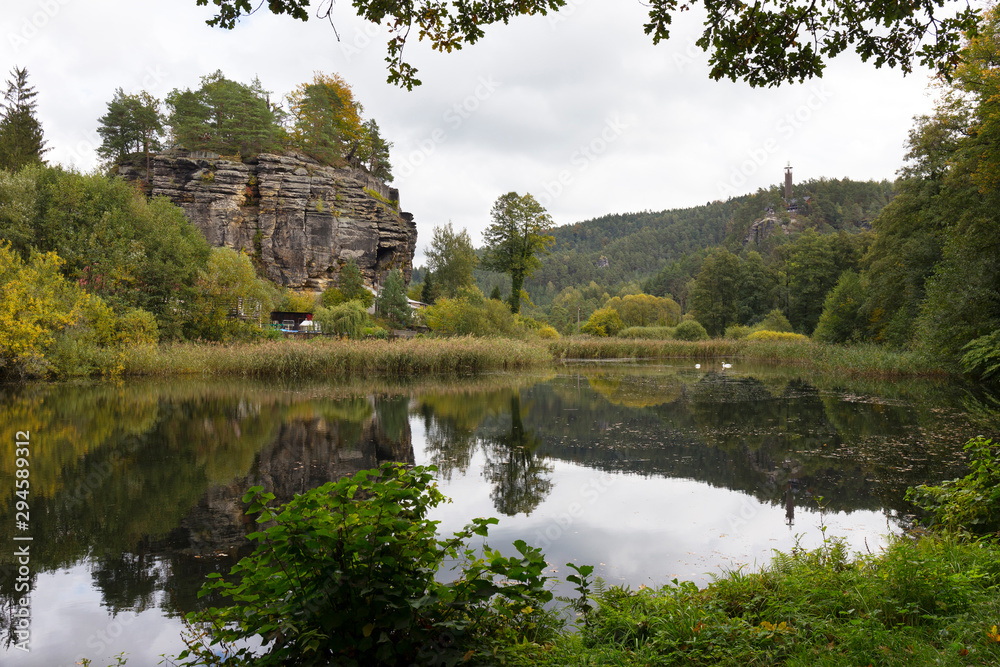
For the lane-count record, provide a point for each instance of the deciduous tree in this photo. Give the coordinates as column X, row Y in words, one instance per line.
column 451, row 258
column 514, row 240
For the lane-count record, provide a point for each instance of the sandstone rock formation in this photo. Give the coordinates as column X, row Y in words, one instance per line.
column 300, row 219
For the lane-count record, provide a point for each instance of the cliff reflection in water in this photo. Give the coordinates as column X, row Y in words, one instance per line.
column 143, row 482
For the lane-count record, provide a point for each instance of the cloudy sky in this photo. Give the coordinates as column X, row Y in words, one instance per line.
column 577, row 108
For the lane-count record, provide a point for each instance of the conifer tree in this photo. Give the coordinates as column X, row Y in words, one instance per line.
column 21, row 141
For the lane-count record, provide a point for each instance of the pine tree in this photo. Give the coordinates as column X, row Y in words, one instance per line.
column 133, row 125
column 392, row 302
column 21, row 141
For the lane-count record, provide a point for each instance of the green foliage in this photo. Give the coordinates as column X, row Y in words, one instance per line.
column 224, row 116
column 346, row 319
column 603, row 322
column 514, row 239
column 326, row 120
column 38, row 302
column 392, row 302
column 21, row 142
column 777, row 336
column 785, row 44
column 429, row 292
column 813, row 264
column 296, row 302
column 469, row 314
column 972, row 503
column 644, row 310
column 774, row 321
column 345, row 574
column 451, row 259
column 350, row 287
column 690, row 330
column 18, row 208
column 842, row 320
column 231, row 301
column 132, row 126
column 982, row 356
column 714, row 298
column 737, row 332
column 374, row 152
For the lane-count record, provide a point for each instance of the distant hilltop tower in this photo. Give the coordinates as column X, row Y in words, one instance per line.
column 788, row 183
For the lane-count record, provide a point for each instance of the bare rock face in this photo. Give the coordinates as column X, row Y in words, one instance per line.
column 300, row 219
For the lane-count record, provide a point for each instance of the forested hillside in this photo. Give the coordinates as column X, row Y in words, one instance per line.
column 662, row 251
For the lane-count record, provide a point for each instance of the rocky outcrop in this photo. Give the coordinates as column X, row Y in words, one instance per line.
column 301, row 220
column 762, row 228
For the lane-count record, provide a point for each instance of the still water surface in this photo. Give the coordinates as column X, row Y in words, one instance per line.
column 649, row 472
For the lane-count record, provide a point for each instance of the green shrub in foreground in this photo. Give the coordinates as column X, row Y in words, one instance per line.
column 690, row 330
column 345, row 575
column 971, row 503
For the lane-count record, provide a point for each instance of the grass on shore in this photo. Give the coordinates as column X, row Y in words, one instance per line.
column 337, row 359
column 328, row 358
column 930, row 602
column 857, row 360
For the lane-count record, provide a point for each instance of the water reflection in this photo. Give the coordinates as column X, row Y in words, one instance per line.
column 137, row 488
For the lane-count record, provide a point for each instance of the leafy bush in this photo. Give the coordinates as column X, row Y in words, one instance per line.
column 690, row 330
column 737, row 331
column 296, row 302
column 774, row 321
column 982, row 356
column 38, row 302
column 379, row 333
column 345, row 575
column 348, row 319
column 350, row 287
column 603, row 322
column 547, row 332
column 650, row 333
column 469, row 314
column 971, row 503
column 777, row 336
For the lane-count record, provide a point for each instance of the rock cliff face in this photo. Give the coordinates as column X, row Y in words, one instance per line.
column 300, row 219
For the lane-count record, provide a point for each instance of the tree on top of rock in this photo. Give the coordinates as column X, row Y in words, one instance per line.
column 326, row 119
column 132, row 126
column 225, row 117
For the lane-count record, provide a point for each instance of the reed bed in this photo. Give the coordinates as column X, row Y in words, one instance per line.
column 337, row 358
column 858, row 360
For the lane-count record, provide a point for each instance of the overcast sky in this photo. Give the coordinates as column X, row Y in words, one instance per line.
column 577, row 108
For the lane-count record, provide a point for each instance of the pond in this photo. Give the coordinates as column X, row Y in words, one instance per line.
column 650, row 472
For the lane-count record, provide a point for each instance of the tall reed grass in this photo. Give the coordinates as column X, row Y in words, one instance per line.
column 857, row 360
column 337, row 358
